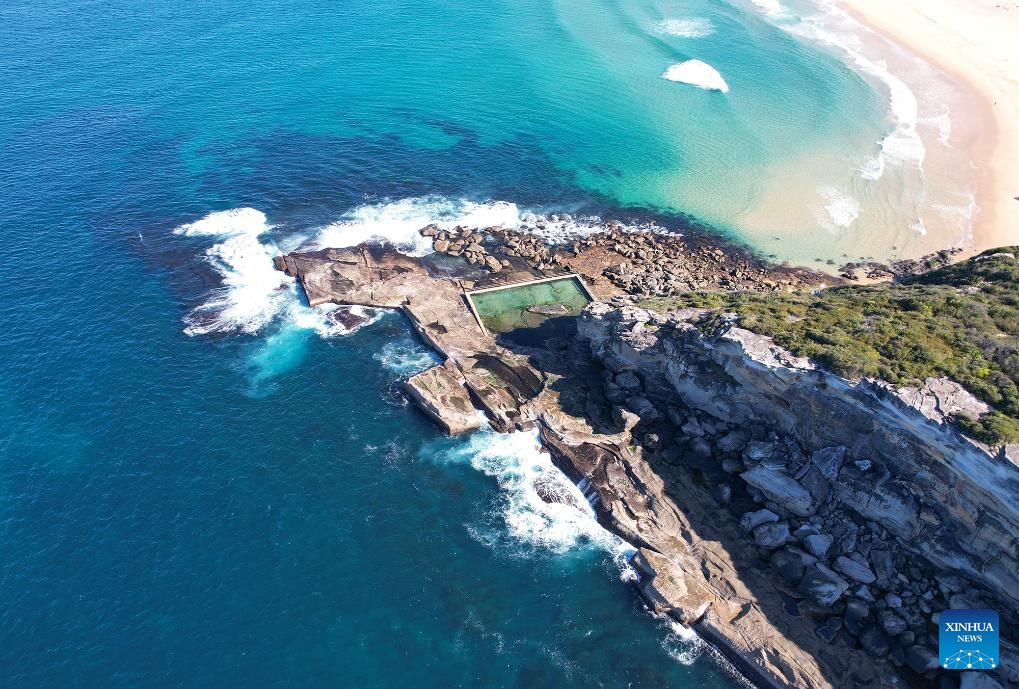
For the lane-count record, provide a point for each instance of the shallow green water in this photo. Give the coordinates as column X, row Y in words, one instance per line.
column 511, row 308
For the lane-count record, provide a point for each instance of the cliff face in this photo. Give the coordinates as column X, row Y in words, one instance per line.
column 871, row 505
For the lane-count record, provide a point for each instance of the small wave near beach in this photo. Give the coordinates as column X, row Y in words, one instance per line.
column 697, row 73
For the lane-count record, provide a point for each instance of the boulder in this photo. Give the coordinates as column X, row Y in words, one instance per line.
column 780, row 488
column 733, row 441
column 856, row 609
column 922, row 659
column 751, row 520
column 829, row 461
column 788, row 564
column 889, row 504
column 891, row 623
column 883, row 563
column 628, row 381
column 814, row 481
column 874, row 642
column 854, row 570
column 822, row 585
column 817, row 544
column 771, row 536
column 759, row 450
column 642, row 407
column 978, row 680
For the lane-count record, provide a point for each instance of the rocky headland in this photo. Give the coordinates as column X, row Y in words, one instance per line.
column 809, row 527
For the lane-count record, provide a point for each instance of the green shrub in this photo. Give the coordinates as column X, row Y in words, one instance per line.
column 960, row 322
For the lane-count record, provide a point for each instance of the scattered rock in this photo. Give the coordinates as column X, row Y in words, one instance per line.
column 854, row 570
column 822, row 585
column 874, row 642
column 780, row 488
column 817, row 544
column 771, row 536
column 921, row 658
column 829, row 461
column 891, row 623
column 751, row 520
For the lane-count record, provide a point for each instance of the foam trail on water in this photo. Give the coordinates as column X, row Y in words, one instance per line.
column 525, row 474
column 843, row 210
column 697, row 73
column 903, row 144
column 772, row 8
column 405, row 357
column 686, row 28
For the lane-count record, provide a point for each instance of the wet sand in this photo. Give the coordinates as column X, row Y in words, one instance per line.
column 973, row 41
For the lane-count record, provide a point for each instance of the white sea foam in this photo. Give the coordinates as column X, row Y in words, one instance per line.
column 682, row 643
column 842, row 209
column 398, row 222
column 873, row 169
column 772, row 8
column 943, row 124
column 519, row 466
column 405, row 357
column 253, row 291
column 697, row 73
column 696, row 27
column 229, row 223
column 903, row 144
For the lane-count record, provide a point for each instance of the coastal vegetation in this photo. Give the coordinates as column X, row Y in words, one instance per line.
column 959, row 322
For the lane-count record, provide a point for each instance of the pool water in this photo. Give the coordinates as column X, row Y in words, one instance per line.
column 511, row 308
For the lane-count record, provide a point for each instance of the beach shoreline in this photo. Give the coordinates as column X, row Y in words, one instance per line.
column 971, row 41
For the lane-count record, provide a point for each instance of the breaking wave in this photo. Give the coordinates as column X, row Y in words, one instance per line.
column 398, row 222
column 540, row 506
column 697, row 73
column 253, row 292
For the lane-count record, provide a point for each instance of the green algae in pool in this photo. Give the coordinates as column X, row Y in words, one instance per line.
column 530, row 305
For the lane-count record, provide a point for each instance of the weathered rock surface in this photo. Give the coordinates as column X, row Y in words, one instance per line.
column 781, row 488
column 440, row 392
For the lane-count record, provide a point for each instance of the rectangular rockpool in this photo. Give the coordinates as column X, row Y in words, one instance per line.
column 530, row 305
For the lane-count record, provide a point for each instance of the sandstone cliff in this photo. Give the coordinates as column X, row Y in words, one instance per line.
column 868, row 505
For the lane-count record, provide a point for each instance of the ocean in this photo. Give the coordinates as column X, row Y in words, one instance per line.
column 203, row 481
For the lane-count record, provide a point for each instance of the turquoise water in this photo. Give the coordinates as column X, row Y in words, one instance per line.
column 203, row 482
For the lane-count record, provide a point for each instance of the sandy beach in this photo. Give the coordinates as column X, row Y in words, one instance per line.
column 976, row 42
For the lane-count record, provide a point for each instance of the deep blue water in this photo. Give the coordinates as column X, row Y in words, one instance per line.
column 252, row 503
